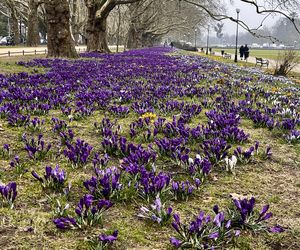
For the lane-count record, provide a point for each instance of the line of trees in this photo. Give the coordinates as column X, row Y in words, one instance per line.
column 283, row 30
column 134, row 23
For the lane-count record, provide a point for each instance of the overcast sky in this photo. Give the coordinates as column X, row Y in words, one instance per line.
column 247, row 14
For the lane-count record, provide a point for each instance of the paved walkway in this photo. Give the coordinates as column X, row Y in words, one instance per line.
column 17, row 51
column 272, row 63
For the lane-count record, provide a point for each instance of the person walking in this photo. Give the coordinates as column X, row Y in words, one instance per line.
column 246, row 52
column 242, row 50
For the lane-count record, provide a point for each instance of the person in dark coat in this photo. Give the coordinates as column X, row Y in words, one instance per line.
column 246, row 52
column 242, row 50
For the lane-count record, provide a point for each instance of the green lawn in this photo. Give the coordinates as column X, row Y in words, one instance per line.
column 275, row 181
column 264, row 53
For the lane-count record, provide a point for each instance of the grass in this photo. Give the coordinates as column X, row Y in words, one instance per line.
column 292, row 75
column 275, row 182
column 264, row 53
column 8, row 64
column 225, row 60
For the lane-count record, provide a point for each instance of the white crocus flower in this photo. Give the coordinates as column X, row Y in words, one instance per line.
column 144, row 210
column 231, row 163
column 227, row 163
column 198, row 156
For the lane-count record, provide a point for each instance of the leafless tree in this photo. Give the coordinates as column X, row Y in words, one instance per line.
column 266, row 8
column 286, row 61
column 15, row 10
column 78, row 19
column 118, row 25
column 33, row 37
column 145, row 21
column 96, row 27
column 150, row 20
column 60, row 41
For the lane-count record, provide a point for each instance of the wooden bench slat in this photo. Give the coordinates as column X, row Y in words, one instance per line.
column 227, row 55
column 261, row 61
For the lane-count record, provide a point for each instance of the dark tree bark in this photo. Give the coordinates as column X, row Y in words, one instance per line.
column 60, row 42
column 15, row 29
column 138, row 38
column 74, row 23
column 14, row 21
column 96, row 35
column 33, row 37
column 118, row 28
column 133, row 38
column 96, row 29
column 98, row 12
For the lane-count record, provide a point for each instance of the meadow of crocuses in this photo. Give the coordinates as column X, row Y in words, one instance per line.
column 148, row 149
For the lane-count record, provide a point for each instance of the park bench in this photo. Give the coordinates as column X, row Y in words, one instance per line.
column 228, row 56
column 261, row 61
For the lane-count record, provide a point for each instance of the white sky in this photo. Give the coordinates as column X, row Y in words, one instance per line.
column 247, row 14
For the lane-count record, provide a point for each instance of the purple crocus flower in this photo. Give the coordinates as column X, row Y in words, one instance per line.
column 175, row 226
column 175, row 242
column 48, row 171
column 35, row 175
column 216, row 209
column 53, row 178
column 9, row 192
column 228, row 224
column 175, row 185
column 104, row 204
column 65, row 223
column 268, row 152
column 214, row 235
column 109, row 238
column 245, row 208
column 197, row 182
column 87, row 200
column 6, row 147
column 219, row 218
column 256, row 146
column 176, row 218
column 276, row 229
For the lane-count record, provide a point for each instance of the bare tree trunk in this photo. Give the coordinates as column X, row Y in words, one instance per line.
column 74, row 24
column 14, row 22
column 60, row 43
column 148, row 39
column 118, row 28
column 96, row 32
column 136, row 38
column 33, row 37
column 135, row 32
column 15, row 29
column 132, row 38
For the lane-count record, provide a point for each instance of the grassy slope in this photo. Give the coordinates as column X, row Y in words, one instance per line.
column 8, row 64
column 264, row 53
column 276, row 182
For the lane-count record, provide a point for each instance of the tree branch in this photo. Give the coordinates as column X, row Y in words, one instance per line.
column 221, row 17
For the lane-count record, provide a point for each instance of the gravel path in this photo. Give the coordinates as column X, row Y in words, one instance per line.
column 272, row 63
column 17, row 51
